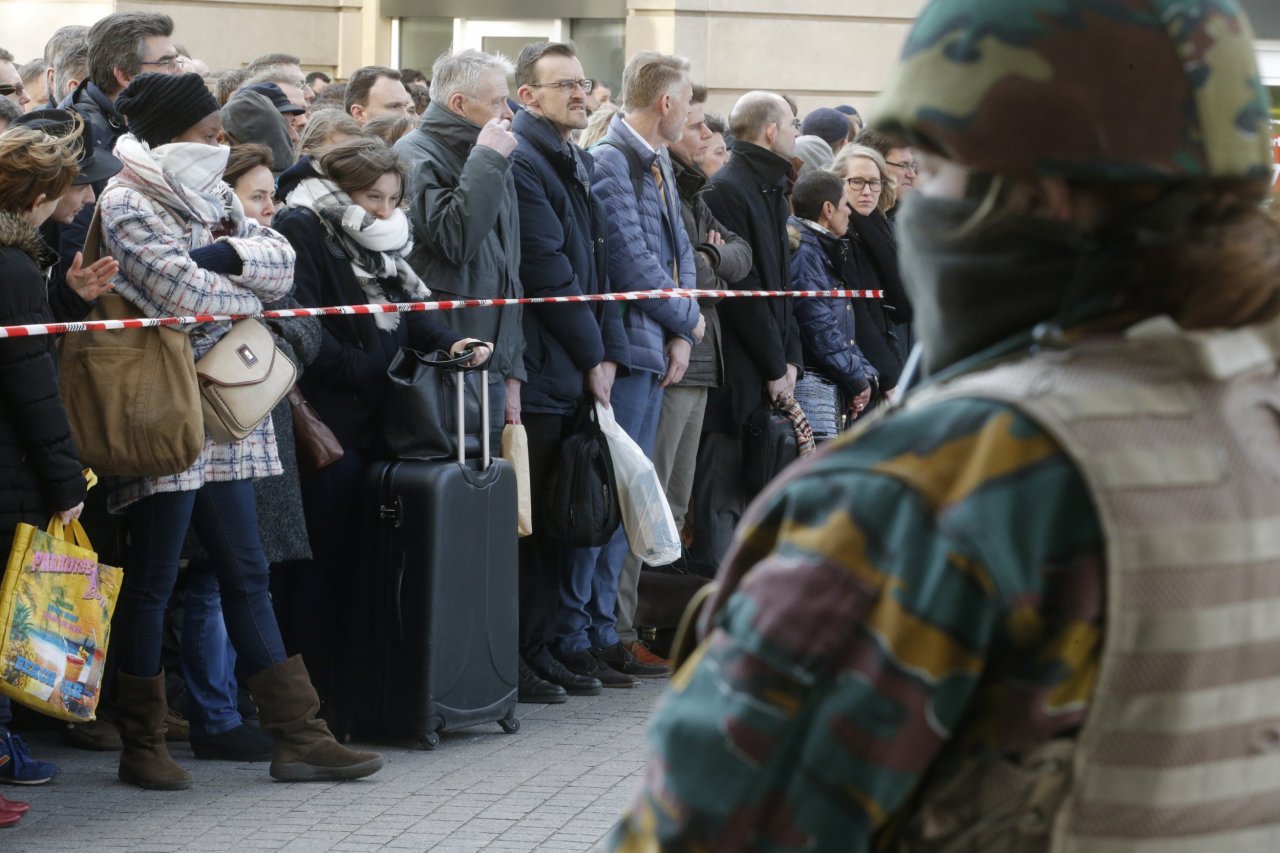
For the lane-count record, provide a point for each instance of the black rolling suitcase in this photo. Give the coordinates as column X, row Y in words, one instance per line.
column 432, row 641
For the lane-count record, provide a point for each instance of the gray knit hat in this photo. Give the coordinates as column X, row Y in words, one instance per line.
column 831, row 125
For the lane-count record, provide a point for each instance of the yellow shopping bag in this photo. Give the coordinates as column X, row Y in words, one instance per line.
column 55, row 618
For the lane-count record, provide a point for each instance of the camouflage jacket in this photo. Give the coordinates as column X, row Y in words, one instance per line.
column 931, row 581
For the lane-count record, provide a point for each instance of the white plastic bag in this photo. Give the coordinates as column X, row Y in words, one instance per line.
column 646, row 515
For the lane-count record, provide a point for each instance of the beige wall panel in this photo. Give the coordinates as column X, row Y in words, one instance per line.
column 801, row 55
column 892, row 10
column 26, row 26
column 230, row 34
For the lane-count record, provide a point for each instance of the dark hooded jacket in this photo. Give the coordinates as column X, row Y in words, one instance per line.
column 251, row 117
column 40, row 471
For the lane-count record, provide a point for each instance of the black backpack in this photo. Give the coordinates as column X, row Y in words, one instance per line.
column 582, row 506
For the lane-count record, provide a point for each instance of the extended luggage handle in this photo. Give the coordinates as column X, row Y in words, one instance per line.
column 484, row 419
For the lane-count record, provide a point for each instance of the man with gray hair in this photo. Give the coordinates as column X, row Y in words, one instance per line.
column 462, row 203
column 69, row 70
column 648, row 250
column 59, row 44
column 759, row 337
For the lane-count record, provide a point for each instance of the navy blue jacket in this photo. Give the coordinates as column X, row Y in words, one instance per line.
column 827, row 326
column 347, row 383
column 563, row 252
column 644, row 241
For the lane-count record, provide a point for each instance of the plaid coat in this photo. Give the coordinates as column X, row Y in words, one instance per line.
column 153, row 245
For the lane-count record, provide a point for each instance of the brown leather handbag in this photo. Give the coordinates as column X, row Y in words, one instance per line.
column 317, row 446
column 131, row 396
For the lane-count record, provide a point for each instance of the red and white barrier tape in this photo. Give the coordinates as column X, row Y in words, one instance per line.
column 37, row 329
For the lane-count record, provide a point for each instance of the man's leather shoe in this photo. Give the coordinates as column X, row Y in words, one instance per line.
column 534, row 689
column 620, row 658
column 646, row 656
column 552, row 670
column 585, row 663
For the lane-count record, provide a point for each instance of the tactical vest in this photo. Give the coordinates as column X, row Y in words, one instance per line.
column 1177, row 435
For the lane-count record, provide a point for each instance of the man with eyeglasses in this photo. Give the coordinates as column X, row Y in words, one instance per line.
column 121, row 46
column 11, row 81
column 462, row 203
column 573, row 351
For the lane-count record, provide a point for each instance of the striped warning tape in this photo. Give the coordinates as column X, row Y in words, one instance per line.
column 37, row 329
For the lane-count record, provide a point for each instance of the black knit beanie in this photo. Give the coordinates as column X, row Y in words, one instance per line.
column 162, row 106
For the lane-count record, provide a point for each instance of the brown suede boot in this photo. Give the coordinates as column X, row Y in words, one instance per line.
column 140, row 713
column 305, row 751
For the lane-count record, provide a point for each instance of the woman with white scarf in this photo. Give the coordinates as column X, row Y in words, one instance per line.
column 353, row 242
column 185, row 247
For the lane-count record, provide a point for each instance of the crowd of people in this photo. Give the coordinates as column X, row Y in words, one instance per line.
column 235, row 191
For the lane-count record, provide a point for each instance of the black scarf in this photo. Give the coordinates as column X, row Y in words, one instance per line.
column 975, row 287
column 876, row 237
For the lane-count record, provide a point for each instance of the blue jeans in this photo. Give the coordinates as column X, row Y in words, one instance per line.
column 226, row 520
column 208, row 658
column 587, row 618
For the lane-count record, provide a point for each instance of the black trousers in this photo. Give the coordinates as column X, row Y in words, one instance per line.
column 718, row 501
column 543, row 560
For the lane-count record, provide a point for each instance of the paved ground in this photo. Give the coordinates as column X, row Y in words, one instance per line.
column 556, row 785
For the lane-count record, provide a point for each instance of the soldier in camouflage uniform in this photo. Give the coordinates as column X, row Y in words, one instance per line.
column 1037, row 606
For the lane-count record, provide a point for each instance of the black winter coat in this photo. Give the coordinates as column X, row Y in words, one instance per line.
column 760, row 335
column 347, row 383
column 40, row 471
column 873, row 324
column 563, row 252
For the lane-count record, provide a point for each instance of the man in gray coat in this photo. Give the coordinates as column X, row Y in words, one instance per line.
column 462, row 202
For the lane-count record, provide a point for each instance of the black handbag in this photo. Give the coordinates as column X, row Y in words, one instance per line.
column 420, row 419
column 768, row 446
column 582, row 503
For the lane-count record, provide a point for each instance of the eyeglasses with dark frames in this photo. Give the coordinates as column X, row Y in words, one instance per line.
column 567, row 86
column 908, row 166
column 7, row 89
column 165, row 62
column 861, row 184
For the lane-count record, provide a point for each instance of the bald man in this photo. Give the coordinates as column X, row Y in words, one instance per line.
column 759, row 337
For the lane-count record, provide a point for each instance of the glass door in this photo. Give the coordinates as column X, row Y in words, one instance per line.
column 505, row 37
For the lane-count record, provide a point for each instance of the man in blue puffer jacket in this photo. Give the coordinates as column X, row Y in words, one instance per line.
column 827, row 325
column 648, row 249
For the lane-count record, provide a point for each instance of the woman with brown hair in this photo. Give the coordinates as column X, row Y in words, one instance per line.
column 40, row 472
column 353, row 241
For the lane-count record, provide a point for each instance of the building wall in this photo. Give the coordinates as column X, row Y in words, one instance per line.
column 820, row 53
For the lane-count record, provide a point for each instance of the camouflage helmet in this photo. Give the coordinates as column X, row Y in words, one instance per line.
column 1096, row 90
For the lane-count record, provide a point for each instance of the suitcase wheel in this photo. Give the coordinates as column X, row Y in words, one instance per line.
column 510, row 725
column 430, row 740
